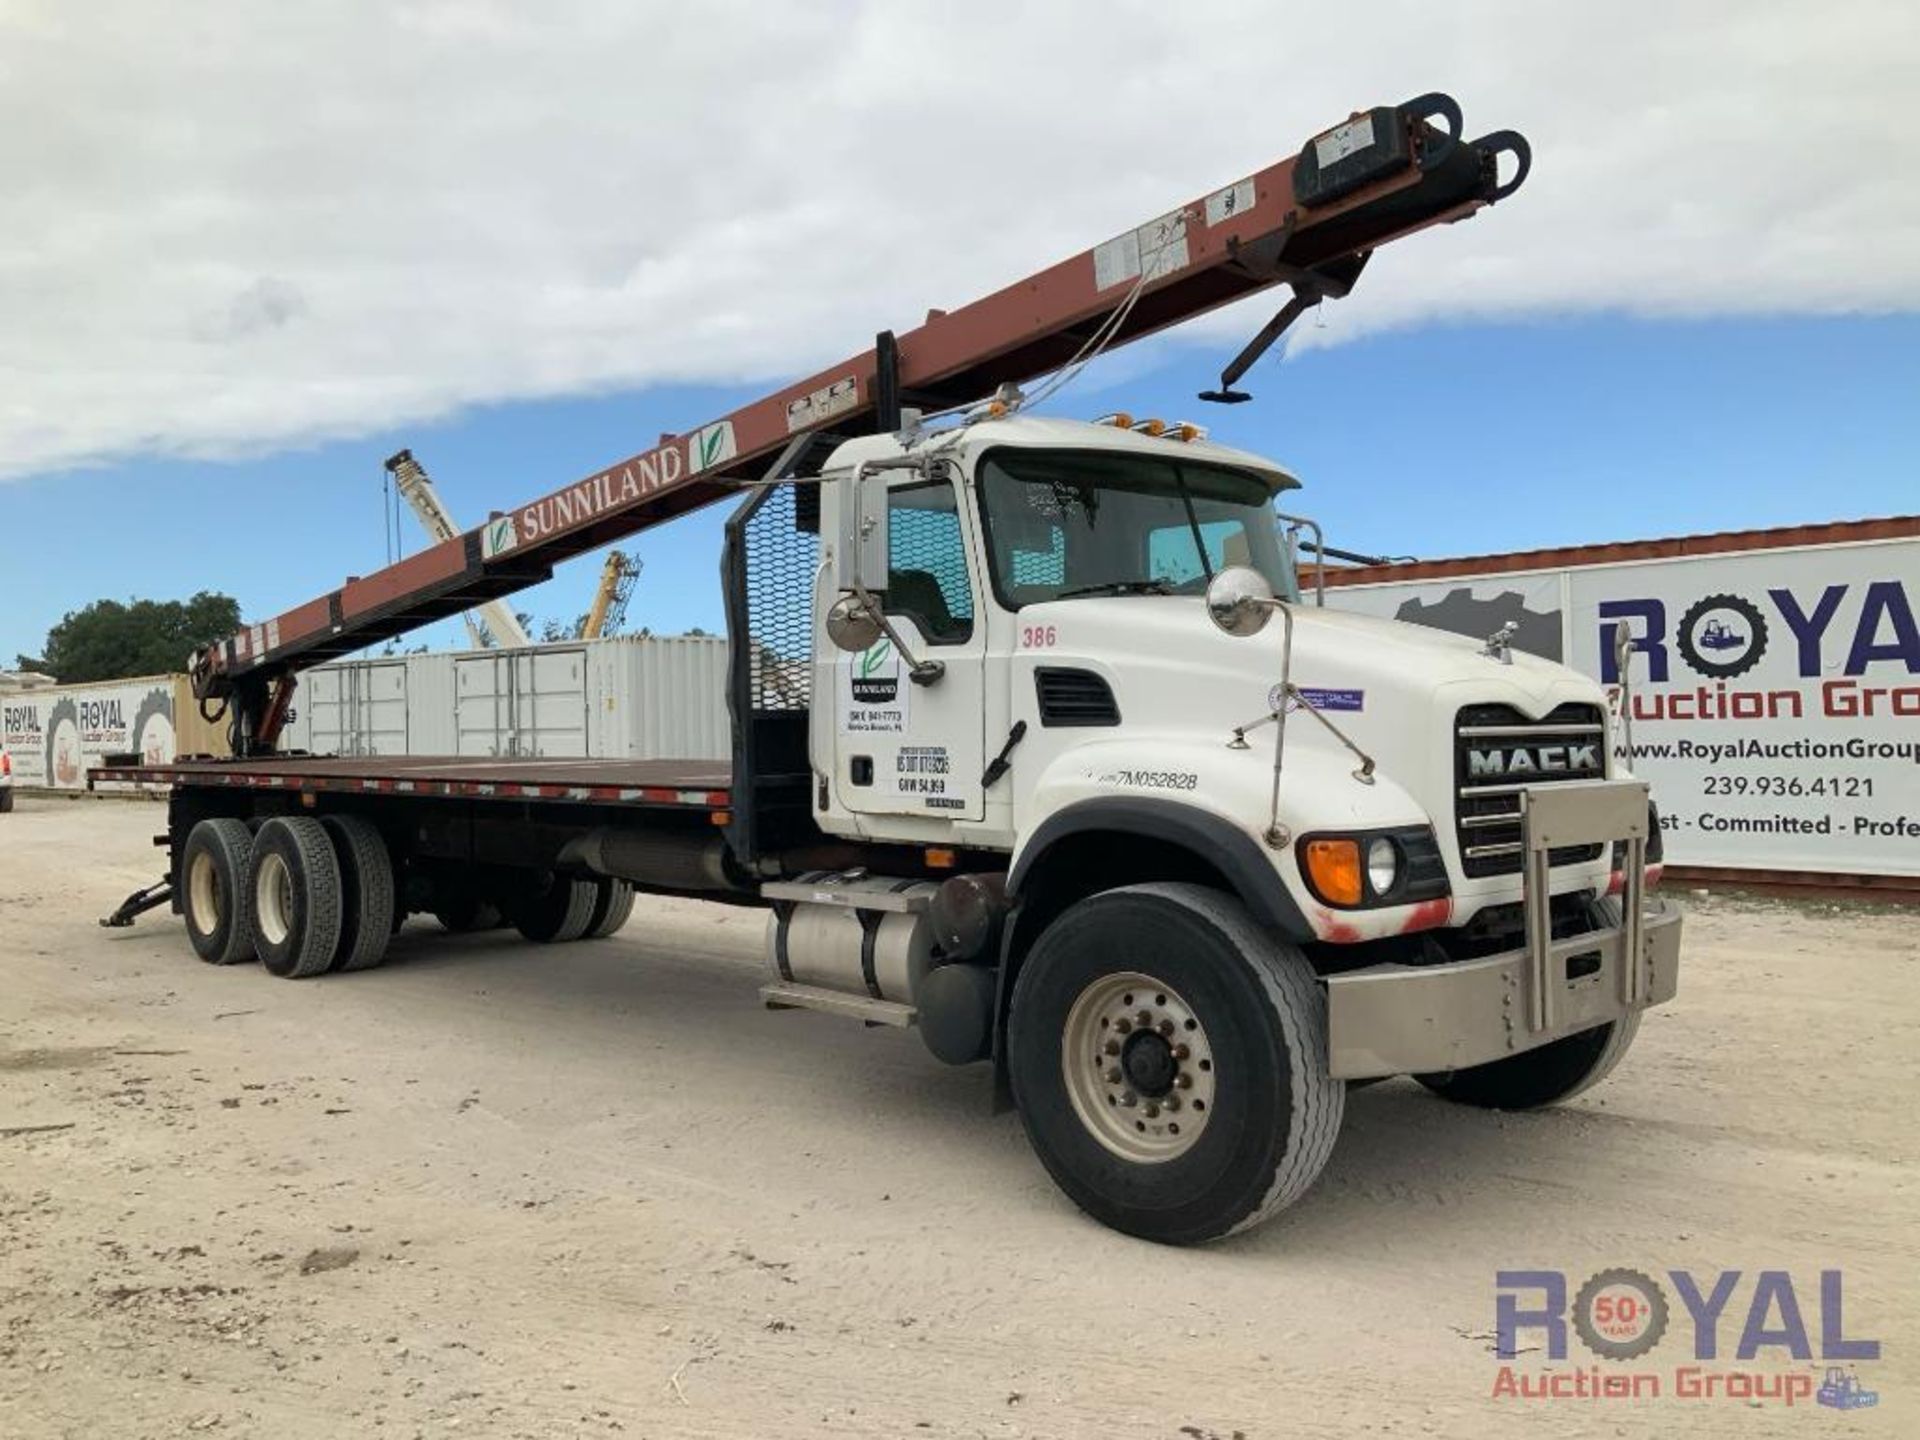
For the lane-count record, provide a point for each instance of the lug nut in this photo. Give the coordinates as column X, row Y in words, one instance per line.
column 1183, row 1080
column 1166, row 1027
column 1129, row 1099
column 1123, row 1025
column 1144, row 1019
column 1181, row 1052
column 1113, row 1047
column 1153, row 1110
column 1113, row 1076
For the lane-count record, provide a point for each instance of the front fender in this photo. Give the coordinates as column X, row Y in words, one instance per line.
column 1213, row 796
column 1235, row 854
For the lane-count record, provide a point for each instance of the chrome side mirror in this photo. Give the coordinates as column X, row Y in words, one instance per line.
column 1240, row 601
column 852, row 625
column 863, row 550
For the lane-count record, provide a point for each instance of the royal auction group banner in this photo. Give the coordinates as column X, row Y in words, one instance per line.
column 54, row 735
column 1774, row 694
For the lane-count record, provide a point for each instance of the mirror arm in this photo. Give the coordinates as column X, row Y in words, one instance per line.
column 921, row 672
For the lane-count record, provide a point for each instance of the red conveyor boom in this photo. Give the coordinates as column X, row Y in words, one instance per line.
column 1310, row 221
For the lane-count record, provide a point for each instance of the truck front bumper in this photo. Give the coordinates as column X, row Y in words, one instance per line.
column 1413, row 1019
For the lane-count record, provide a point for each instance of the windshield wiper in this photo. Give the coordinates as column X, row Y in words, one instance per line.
column 1119, row 587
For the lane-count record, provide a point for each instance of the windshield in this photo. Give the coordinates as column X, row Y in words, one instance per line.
column 1087, row 522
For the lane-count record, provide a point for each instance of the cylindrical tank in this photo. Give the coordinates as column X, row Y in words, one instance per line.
column 873, row 952
column 966, row 914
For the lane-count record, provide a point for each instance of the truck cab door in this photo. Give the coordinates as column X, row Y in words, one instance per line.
column 904, row 748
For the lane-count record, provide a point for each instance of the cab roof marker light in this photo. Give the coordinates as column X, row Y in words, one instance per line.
column 1148, row 427
column 1186, row 431
column 1119, row 419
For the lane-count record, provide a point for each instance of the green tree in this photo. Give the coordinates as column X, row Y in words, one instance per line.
column 110, row 640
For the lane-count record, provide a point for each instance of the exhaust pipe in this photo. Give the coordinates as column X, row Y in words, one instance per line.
column 664, row 861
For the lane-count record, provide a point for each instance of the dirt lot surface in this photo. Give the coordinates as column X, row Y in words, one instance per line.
column 498, row 1189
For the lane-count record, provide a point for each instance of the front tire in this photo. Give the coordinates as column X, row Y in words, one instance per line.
column 1550, row 1073
column 1169, row 1061
column 1546, row 1075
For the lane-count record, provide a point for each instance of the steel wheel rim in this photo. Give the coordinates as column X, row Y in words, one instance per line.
column 203, row 893
column 1138, row 1067
column 273, row 900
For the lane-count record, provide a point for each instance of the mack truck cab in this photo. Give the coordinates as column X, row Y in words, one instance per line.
column 1217, row 850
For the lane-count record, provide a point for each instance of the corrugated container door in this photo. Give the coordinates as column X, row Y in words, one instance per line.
column 383, row 708
column 550, row 702
column 660, row 697
column 329, row 722
column 431, row 727
column 481, row 705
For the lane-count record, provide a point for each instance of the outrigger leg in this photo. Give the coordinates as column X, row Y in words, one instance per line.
column 138, row 903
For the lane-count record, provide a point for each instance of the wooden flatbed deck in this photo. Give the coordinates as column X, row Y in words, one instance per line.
column 703, row 784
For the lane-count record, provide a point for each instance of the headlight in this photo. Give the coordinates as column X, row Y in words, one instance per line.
column 1383, row 864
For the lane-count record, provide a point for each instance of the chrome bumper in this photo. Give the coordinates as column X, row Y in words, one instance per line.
column 1401, row 1019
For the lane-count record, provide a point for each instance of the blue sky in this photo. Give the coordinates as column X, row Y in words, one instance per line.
column 1437, row 440
column 525, row 240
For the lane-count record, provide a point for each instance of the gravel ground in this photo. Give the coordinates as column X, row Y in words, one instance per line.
column 498, row 1189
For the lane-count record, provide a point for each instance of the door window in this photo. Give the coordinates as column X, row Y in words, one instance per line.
column 927, row 562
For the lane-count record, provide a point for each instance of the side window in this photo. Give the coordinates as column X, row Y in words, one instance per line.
column 927, row 562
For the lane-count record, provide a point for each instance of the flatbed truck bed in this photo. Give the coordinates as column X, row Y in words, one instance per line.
column 700, row 784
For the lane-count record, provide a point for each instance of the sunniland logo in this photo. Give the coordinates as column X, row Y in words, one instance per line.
column 1622, row 1315
column 500, row 536
column 876, row 675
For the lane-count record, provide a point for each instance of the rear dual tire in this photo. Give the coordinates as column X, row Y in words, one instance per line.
column 559, row 910
column 216, row 891
column 368, row 900
column 298, row 898
column 612, row 908
column 465, row 913
column 301, row 895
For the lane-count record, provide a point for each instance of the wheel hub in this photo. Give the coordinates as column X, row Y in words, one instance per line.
column 1138, row 1067
column 1147, row 1060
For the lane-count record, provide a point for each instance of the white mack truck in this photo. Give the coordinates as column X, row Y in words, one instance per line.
column 1042, row 745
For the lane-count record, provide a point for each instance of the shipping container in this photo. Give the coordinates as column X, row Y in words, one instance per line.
column 627, row 697
column 193, row 733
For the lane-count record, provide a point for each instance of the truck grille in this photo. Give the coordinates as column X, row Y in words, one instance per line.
column 1496, row 751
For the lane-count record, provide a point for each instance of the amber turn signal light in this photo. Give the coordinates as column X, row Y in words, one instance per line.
column 1333, row 869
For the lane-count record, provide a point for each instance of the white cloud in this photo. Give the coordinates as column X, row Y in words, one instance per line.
column 231, row 226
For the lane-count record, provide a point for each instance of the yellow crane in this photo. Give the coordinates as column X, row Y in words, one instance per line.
column 610, row 597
